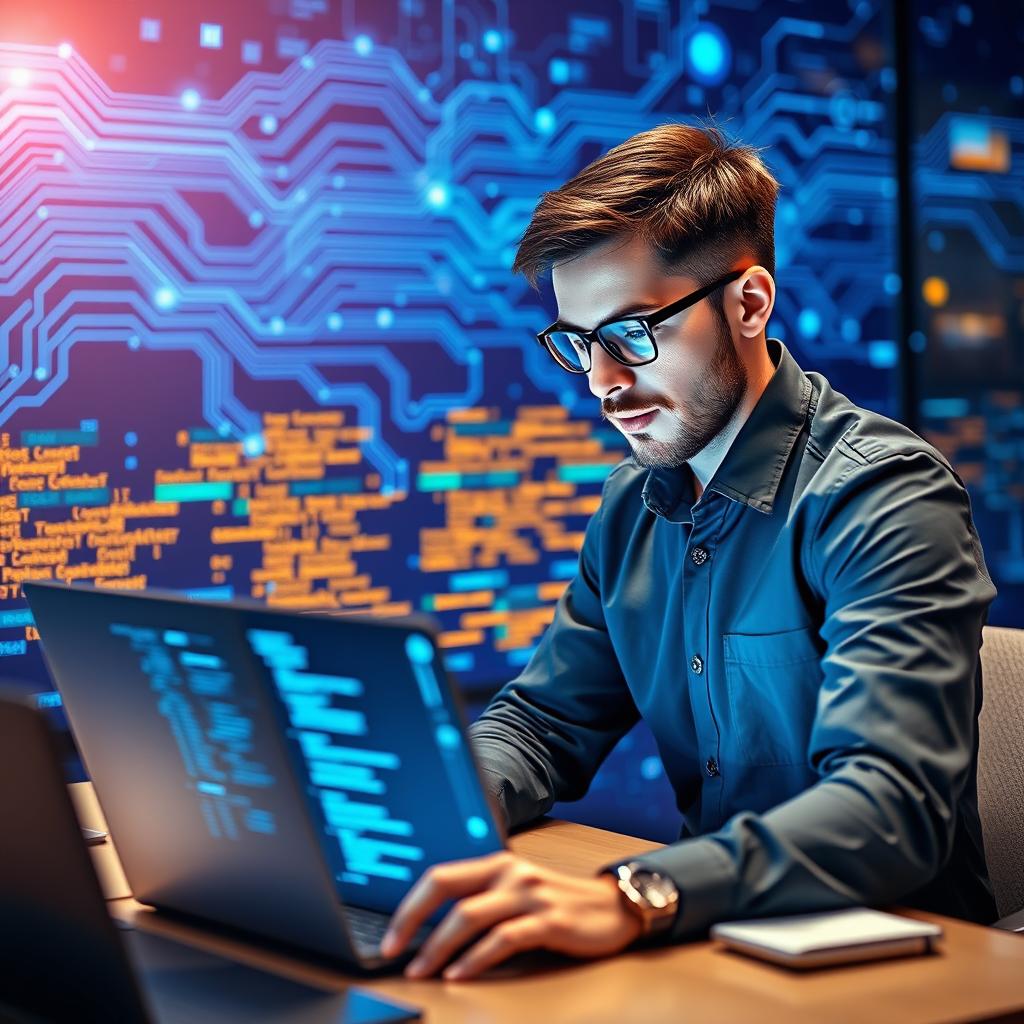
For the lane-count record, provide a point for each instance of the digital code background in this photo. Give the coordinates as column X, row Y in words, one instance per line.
column 260, row 336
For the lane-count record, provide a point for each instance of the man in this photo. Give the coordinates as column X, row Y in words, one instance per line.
column 789, row 589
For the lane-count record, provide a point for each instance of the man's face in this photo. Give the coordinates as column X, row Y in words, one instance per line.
column 669, row 410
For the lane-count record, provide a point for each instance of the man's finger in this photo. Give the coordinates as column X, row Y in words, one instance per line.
column 502, row 942
column 467, row 919
column 436, row 886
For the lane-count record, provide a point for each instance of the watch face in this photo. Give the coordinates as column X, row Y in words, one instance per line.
column 658, row 891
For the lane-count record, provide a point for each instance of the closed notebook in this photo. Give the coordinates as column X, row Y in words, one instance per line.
column 835, row 937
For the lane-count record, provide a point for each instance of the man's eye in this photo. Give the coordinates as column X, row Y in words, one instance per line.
column 636, row 333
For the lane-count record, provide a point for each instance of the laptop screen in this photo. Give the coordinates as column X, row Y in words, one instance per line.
column 371, row 722
column 187, row 705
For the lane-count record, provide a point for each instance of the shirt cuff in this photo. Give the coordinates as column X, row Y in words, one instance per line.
column 705, row 876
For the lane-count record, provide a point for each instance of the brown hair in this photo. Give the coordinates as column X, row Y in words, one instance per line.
column 696, row 198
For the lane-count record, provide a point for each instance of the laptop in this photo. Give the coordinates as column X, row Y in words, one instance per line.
column 64, row 959
column 289, row 775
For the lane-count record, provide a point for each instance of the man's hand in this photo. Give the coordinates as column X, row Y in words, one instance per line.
column 511, row 905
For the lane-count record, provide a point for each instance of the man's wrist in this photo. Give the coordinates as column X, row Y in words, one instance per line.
column 649, row 895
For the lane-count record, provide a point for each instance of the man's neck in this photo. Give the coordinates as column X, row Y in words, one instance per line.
column 706, row 462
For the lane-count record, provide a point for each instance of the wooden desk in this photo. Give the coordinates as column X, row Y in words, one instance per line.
column 976, row 975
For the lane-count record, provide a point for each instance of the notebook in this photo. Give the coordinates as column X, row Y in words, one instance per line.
column 835, row 937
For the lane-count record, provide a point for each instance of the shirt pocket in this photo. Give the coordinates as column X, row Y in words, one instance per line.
column 772, row 681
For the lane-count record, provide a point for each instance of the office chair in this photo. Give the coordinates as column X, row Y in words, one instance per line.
column 1001, row 770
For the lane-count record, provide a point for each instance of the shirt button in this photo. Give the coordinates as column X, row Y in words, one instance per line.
column 698, row 555
column 711, row 767
column 697, row 664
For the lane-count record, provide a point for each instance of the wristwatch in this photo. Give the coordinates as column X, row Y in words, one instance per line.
column 653, row 897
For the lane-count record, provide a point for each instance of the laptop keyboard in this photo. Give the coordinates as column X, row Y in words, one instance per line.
column 368, row 928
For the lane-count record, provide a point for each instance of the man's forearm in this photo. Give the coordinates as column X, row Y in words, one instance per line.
column 863, row 835
column 517, row 782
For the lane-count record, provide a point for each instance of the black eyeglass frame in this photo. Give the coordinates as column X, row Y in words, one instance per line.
column 648, row 322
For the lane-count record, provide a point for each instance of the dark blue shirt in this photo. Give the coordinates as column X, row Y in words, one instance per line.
column 803, row 643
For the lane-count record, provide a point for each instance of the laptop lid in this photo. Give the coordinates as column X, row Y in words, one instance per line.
column 60, row 952
column 63, row 957
column 274, row 757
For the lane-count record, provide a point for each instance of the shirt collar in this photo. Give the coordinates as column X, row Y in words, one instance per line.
column 753, row 466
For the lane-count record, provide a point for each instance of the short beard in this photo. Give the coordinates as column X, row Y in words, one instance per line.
column 717, row 395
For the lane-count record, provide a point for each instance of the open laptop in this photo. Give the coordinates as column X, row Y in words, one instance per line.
column 290, row 775
column 63, row 958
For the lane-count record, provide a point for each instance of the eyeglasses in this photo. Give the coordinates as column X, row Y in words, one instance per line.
column 629, row 341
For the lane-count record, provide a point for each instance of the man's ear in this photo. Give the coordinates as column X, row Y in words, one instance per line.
column 752, row 299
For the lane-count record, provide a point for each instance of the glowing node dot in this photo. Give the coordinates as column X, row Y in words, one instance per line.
column 544, row 121
column 385, row 317
column 708, row 51
column 935, row 291
column 334, row 321
column 253, row 445
column 559, row 71
column 494, row 41
column 41, row 373
column 809, row 323
column 190, row 99
column 363, row 45
column 64, row 51
column 20, row 77
column 437, row 196
column 268, row 124
column 42, row 213
column 256, row 219
column 276, row 325
column 164, row 298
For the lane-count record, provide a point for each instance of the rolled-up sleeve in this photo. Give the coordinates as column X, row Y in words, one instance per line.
column 896, row 562
column 544, row 735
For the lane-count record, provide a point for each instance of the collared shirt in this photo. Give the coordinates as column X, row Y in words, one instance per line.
column 803, row 643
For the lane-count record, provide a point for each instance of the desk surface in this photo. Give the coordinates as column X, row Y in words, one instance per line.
column 976, row 975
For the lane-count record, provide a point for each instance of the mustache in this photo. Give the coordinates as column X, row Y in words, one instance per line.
column 609, row 409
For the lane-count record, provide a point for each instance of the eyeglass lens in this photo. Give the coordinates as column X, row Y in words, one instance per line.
column 628, row 341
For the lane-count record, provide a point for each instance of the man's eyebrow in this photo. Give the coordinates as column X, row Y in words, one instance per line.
column 630, row 308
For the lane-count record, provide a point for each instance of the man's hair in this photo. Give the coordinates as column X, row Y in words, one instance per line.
column 697, row 199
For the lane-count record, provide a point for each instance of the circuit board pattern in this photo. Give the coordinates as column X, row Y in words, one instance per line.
column 969, row 184
column 260, row 333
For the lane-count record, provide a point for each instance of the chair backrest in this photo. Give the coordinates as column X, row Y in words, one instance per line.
column 1001, row 764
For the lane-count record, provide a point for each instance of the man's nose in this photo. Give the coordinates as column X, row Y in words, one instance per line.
column 607, row 375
